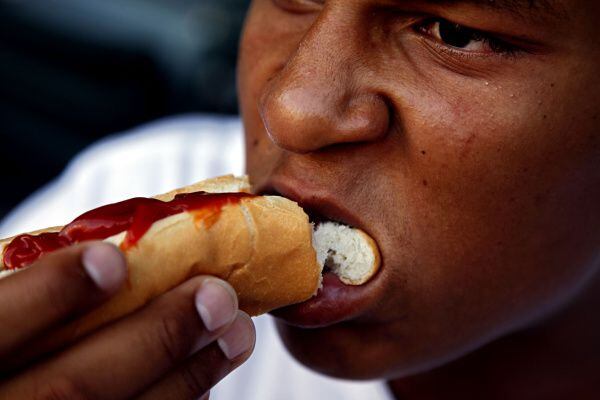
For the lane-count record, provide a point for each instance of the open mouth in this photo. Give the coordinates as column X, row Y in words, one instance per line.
column 335, row 301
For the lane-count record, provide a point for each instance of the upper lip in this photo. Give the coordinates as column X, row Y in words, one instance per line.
column 318, row 203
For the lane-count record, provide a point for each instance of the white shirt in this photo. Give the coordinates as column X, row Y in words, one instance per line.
column 156, row 158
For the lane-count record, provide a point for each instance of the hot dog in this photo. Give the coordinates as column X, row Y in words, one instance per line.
column 263, row 245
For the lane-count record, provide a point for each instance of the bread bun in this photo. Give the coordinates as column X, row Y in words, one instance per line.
column 263, row 246
column 349, row 253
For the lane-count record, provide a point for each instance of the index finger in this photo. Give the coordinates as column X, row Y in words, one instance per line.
column 142, row 347
column 57, row 288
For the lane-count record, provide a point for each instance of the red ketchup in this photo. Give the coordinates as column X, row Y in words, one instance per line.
column 135, row 216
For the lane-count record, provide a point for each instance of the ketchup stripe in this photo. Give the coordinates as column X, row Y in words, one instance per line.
column 135, row 216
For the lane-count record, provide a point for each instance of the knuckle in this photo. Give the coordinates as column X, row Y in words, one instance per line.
column 175, row 336
column 60, row 389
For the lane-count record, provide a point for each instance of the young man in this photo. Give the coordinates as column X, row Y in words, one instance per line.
column 462, row 135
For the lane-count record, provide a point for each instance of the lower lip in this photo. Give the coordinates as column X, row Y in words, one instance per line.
column 335, row 302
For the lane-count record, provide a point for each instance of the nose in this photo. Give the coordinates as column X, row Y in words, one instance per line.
column 322, row 95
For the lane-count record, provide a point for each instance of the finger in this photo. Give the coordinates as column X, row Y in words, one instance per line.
column 58, row 287
column 122, row 359
column 197, row 375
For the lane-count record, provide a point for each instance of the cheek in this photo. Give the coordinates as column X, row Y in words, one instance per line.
column 268, row 41
column 500, row 204
column 486, row 213
column 251, row 69
column 253, row 74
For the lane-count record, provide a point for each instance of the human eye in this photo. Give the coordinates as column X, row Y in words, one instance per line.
column 463, row 39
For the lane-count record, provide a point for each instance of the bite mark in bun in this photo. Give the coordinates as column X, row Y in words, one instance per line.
column 349, row 253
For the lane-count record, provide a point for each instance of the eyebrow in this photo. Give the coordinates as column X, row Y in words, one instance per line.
column 548, row 8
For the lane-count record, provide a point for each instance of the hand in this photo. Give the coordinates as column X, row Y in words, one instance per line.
column 178, row 346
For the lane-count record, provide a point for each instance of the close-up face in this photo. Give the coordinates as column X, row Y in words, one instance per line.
column 461, row 135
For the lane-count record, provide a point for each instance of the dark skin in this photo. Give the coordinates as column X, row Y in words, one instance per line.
column 469, row 153
column 164, row 350
column 472, row 161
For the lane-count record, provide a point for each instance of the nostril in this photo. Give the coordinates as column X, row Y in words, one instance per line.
column 367, row 118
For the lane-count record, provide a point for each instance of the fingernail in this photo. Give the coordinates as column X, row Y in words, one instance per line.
column 105, row 265
column 216, row 303
column 239, row 338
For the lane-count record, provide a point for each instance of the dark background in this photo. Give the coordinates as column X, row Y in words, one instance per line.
column 72, row 71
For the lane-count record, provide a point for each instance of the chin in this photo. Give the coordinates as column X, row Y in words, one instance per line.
column 339, row 351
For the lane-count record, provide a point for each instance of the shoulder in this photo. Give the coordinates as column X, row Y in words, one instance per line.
column 173, row 135
column 149, row 159
column 183, row 144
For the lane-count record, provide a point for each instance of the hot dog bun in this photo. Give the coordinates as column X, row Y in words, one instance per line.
column 264, row 246
column 349, row 253
column 261, row 246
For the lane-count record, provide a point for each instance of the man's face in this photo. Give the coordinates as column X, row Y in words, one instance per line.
column 461, row 135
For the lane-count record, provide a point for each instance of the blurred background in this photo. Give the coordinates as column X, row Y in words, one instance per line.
column 73, row 71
